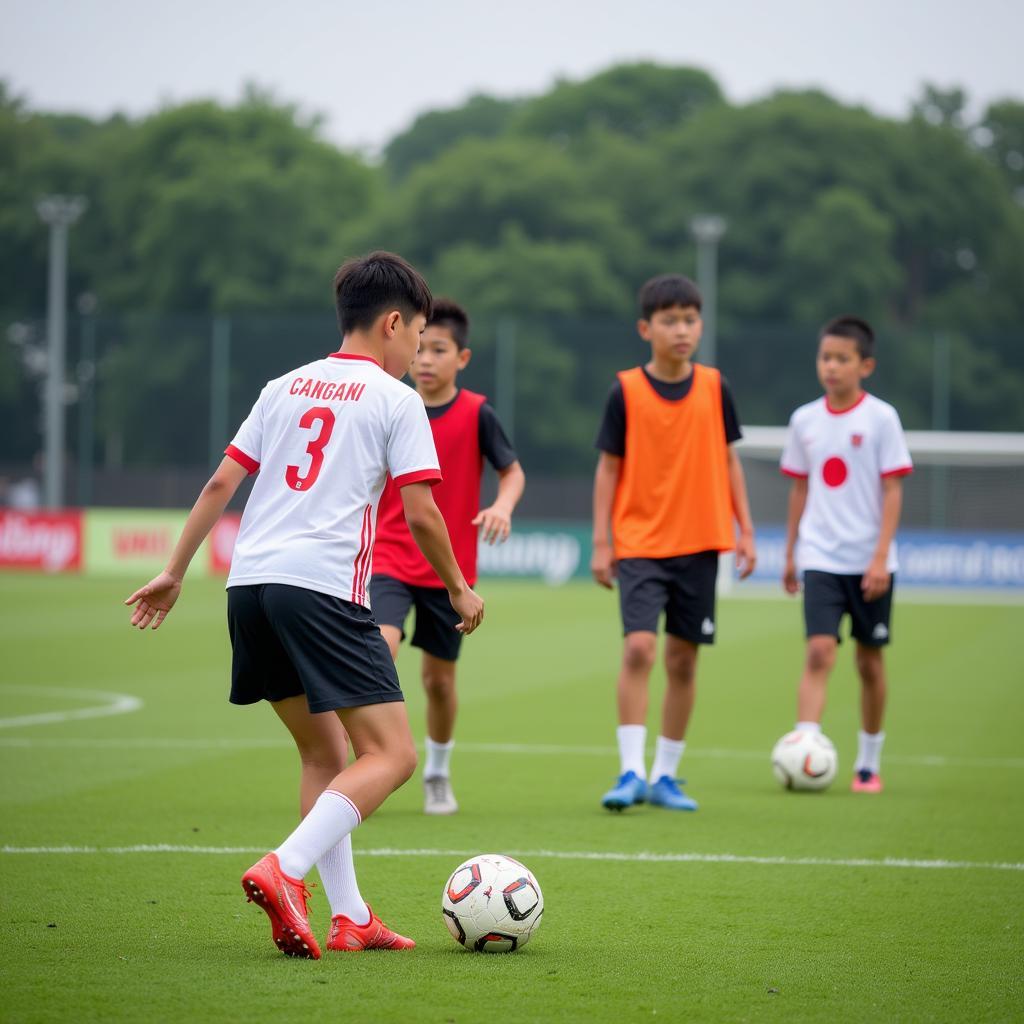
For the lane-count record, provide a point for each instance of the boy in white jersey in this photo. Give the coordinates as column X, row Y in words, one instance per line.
column 847, row 456
column 324, row 438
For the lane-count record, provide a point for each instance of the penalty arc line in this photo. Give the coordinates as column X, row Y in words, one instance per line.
column 903, row 863
column 110, row 704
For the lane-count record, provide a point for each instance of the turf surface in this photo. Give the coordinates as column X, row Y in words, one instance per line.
column 762, row 906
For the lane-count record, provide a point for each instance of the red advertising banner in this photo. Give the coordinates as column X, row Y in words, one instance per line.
column 222, row 542
column 46, row 541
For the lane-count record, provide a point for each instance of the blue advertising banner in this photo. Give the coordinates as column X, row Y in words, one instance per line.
column 559, row 552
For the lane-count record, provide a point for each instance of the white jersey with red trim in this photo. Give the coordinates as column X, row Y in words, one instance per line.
column 324, row 438
column 844, row 456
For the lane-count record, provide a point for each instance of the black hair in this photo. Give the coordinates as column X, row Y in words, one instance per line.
column 370, row 285
column 667, row 290
column 854, row 328
column 453, row 318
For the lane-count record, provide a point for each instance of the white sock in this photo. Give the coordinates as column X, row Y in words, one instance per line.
column 807, row 727
column 338, row 874
column 332, row 817
column 632, row 739
column 438, row 756
column 666, row 757
column 869, row 751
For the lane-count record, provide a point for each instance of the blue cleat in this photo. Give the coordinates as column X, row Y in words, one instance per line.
column 629, row 790
column 666, row 793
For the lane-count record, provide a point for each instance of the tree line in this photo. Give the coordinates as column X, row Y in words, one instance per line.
column 549, row 209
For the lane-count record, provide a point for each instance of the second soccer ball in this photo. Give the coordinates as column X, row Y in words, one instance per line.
column 804, row 760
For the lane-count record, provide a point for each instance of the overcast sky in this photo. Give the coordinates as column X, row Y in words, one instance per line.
column 370, row 67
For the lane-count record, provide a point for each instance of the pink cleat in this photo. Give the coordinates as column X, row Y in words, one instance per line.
column 865, row 781
column 347, row 936
column 284, row 900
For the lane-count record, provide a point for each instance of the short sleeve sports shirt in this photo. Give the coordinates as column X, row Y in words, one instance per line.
column 324, row 438
column 844, row 456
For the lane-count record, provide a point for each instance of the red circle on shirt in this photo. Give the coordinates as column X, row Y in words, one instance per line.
column 834, row 471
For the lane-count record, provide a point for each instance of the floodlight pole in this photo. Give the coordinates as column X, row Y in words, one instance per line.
column 707, row 229
column 59, row 212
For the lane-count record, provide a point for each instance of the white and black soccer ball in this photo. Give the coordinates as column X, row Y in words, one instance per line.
column 492, row 904
column 805, row 760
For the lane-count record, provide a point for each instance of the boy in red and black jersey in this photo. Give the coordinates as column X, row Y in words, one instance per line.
column 466, row 431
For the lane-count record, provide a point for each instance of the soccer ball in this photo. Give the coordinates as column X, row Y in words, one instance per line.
column 492, row 904
column 804, row 760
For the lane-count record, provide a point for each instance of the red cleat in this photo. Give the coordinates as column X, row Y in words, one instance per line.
column 347, row 936
column 866, row 782
column 284, row 900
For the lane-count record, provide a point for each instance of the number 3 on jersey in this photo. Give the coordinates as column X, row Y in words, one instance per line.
column 315, row 448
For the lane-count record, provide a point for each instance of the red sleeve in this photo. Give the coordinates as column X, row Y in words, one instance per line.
column 420, row 476
column 901, row 471
column 793, row 473
column 245, row 461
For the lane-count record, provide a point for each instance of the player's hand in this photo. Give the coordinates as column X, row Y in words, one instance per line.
column 154, row 600
column 495, row 524
column 875, row 582
column 602, row 565
column 746, row 555
column 790, row 582
column 471, row 607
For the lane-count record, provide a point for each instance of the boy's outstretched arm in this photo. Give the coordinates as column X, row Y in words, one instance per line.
column 875, row 582
column 606, row 480
column 795, row 511
column 156, row 598
column 429, row 531
column 495, row 521
column 746, row 555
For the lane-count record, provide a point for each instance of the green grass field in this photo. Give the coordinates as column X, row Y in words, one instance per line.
column 763, row 906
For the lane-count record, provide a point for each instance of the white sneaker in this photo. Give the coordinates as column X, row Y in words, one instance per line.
column 438, row 797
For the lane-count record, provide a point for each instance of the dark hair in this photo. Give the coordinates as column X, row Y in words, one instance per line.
column 453, row 318
column 667, row 290
column 370, row 285
column 854, row 328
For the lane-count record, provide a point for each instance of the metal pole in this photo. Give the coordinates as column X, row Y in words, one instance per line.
column 220, row 363
column 86, row 410
column 59, row 212
column 708, row 228
column 505, row 375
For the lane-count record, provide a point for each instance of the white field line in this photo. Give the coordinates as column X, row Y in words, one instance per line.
column 229, row 743
column 108, row 704
column 583, row 855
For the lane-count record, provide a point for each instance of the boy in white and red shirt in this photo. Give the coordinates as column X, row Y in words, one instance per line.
column 324, row 438
column 466, row 431
column 847, row 456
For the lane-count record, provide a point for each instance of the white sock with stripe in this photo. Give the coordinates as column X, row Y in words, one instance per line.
column 632, row 739
column 338, row 873
column 331, row 818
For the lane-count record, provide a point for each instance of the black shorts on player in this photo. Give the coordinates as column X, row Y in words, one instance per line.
column 287, row 641
column 828, row 596
column 436, row 619
column 682, row 587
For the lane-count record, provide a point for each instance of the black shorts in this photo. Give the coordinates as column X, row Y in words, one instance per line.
column 829, row 596
column 286, row 641
column 436, row 619
column 682, row 587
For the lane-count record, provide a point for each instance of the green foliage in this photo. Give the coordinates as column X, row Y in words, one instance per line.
column 437, row 130
column 556, row 206
column 634, row 100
